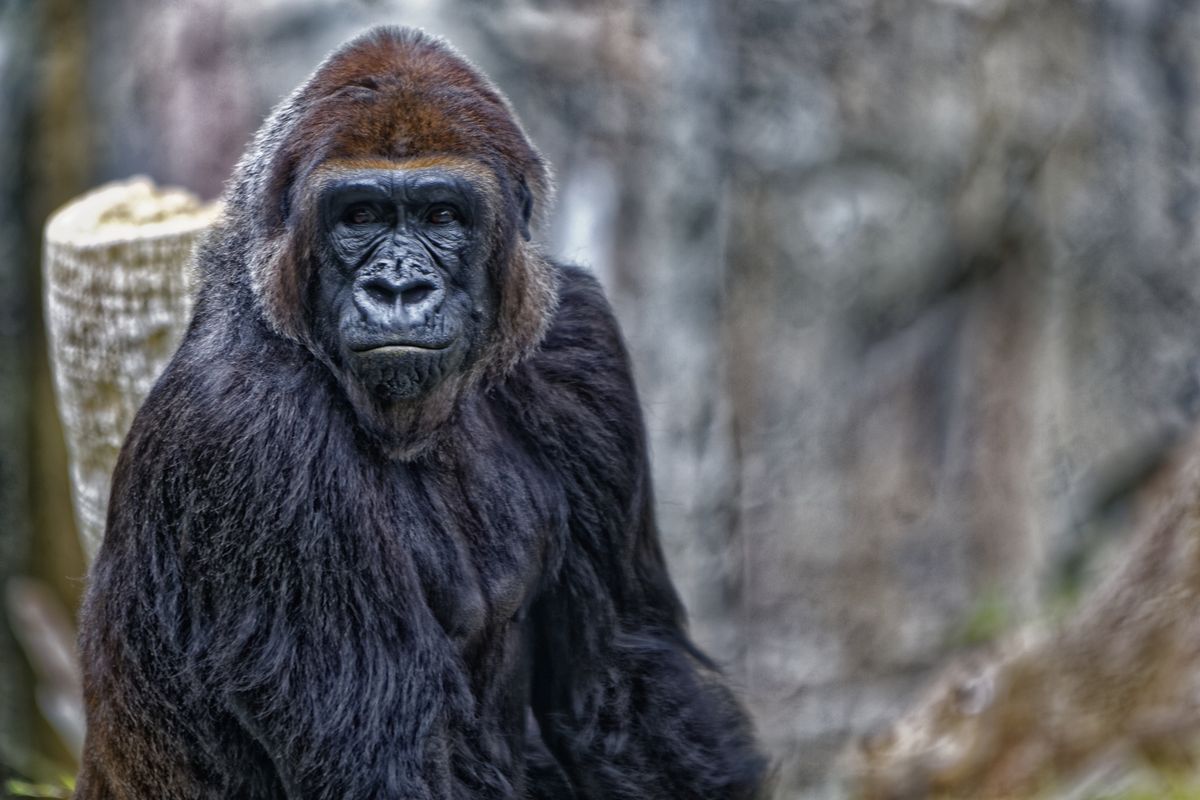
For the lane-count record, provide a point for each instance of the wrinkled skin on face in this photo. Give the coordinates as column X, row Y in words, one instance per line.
column 402, row 298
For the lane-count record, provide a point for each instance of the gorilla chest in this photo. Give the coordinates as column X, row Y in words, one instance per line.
column 478, row 530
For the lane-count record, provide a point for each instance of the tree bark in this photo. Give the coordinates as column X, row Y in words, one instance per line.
column 117, row 302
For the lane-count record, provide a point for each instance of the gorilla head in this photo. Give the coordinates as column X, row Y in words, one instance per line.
column 395, row 231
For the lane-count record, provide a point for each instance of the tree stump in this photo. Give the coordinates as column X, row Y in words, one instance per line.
column 117, row 269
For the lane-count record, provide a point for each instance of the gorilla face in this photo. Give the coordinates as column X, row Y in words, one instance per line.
column 402, row 287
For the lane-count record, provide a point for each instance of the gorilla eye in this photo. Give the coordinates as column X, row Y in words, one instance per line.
column 360, row 215
column 441, row 215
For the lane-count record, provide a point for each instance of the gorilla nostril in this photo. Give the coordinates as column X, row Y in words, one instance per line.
column 416, row 293
column 381, row 290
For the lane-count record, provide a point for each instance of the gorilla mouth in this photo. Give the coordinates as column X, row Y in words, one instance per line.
column 384, row 343
column 399, row 348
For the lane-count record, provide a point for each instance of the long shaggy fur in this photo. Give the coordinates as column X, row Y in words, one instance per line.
column 287, row 607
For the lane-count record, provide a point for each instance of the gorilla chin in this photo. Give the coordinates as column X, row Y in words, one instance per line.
column 403, row 372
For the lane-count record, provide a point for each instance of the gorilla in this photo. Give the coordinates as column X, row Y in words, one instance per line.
column 384, row 527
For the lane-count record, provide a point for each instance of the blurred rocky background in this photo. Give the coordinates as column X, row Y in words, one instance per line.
column 911, row 287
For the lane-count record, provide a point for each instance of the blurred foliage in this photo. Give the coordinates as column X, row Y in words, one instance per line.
column 990, row 616
column 1152, row 786
column 17, row 788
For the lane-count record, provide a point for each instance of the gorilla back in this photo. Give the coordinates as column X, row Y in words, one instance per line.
column 384, row 527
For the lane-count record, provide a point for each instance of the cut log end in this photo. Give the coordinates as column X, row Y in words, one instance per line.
column 135, row 209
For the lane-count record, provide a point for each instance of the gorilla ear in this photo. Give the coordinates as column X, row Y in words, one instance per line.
column 525, row 201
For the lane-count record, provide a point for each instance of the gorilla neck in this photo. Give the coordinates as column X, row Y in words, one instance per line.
column 407, row 429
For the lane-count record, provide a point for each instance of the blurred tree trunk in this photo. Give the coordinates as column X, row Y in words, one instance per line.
column 18, row 36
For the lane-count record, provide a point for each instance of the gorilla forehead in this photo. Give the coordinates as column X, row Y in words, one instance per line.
column 400, row 94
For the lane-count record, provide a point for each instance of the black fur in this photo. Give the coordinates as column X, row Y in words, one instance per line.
column 284, row 609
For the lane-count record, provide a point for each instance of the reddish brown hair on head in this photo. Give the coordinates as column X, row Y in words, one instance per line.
column 400, row 94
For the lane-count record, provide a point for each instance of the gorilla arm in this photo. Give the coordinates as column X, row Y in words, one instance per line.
column 625, row 701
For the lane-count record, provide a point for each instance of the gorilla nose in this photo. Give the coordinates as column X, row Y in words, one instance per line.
column 383, row 297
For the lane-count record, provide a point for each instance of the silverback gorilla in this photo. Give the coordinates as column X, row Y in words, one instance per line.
column 384, row 527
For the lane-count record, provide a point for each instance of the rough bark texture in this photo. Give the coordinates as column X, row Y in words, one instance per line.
column 117, row 301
